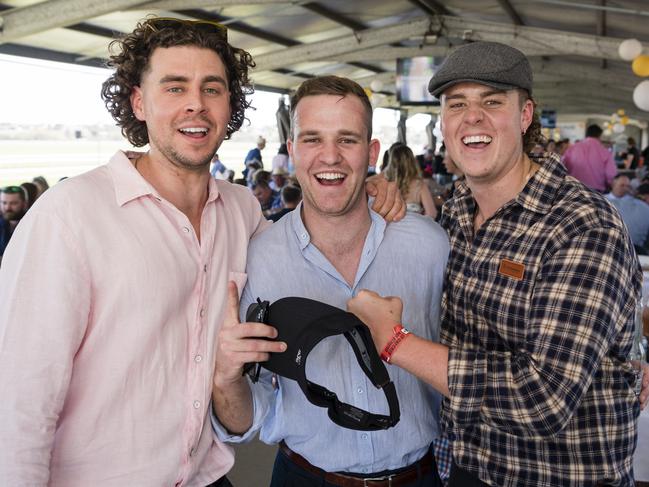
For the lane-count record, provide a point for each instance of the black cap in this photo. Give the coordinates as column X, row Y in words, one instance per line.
column 302, row 323
column 488, row 63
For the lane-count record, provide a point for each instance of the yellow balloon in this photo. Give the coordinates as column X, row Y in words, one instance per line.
column 620, row 112
column 640, row 65
column 624, row 120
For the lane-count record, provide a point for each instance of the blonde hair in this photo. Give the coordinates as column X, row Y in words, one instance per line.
column 402, row 168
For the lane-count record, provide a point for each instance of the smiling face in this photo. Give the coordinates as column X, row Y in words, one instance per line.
column 482, row 129
column 331, row 153
column 184, row 99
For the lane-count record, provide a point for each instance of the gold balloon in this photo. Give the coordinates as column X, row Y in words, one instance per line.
column 620, row 112
column 640, row 65
column 624, row 120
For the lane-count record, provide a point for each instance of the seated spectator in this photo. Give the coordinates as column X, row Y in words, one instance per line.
column 278, row 178
column 218, row 170
column 634, row 212
column 251, row 167
column 260, row 175
column 404, row 170
column 269, row 200
column 291, row 197
column 280, row 159
column 41, row 184
column 13, row 205
column 31, row 190
column 642, row 192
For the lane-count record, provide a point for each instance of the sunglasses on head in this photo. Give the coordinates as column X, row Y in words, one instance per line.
column 207, row 26
column 13, row 190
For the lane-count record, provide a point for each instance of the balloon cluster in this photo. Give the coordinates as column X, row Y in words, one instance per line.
column 616, row 123
column 631, row 50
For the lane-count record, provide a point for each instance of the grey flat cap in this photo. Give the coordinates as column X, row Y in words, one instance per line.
column 488, row 63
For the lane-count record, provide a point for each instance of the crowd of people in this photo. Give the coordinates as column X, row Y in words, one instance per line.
column 506, row 325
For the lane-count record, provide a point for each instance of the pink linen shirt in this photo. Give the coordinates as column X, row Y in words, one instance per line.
column 109, row 311
column 591, row 163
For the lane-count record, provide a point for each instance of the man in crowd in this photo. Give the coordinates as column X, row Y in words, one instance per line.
column 331, row 246
column 114, row 285
column 590, row 162
column 538, row 307
column 291, row 197
column 634, row 212
column 279, row 178
column 269, row 200
column 13, row 205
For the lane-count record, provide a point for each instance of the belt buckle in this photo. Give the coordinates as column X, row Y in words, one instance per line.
column 379, row 479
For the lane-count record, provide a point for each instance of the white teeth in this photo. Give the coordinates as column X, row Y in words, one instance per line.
column 476, row 139
column 194, row 130
column 330, row 175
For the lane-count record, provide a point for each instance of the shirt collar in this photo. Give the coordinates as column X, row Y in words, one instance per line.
column 130, row 185
column 372, row 241
column 537, row 195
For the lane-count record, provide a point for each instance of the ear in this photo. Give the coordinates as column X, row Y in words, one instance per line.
column 375, row 148
column 527, row 114
column 137, row 104
column 289, row 148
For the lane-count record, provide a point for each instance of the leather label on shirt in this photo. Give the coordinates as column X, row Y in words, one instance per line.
column 512, row 269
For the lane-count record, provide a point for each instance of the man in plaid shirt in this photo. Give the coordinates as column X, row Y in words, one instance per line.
column 538, row 309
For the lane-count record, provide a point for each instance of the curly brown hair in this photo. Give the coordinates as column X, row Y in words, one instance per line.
column 131, row 60
column 532, row 135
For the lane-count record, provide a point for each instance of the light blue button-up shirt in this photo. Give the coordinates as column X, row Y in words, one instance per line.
column 635, row 214
column 405, row 259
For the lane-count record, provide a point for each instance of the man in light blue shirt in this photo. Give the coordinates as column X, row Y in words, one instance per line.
column 328, row 249
column 634, row 212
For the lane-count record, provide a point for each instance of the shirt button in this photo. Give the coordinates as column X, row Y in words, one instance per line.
column 303, row 236
column 198, row 359
column 197, row 404
column 202, row 313
column 359, row 390
column 185, row 229
column 364, row 436
column 205, row 268
column 192, row 452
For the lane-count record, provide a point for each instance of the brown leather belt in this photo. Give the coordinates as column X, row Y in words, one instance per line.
column 399, row 478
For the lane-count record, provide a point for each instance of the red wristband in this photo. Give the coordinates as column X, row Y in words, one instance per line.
column 400, row 333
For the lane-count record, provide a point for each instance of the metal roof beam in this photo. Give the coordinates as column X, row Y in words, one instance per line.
column 318, row 51
column 24, row 21
column 261, row 34
column 189, row 4
column 431, row 7
column 334, row 16
column 511, row 11
column 530, row 40
column 524, row 38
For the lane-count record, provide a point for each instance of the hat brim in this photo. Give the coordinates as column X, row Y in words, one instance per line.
column 443, row 87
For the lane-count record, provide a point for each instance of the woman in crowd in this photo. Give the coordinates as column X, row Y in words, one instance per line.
column 404, row 170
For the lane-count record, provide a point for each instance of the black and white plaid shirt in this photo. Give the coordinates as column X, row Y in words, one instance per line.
column 538, row 314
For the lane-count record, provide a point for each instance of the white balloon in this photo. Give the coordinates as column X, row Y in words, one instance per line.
column 376, row 85
column 618, row 128
column 607, row 132
column 629, row 49
column 641, row 95
column 375, row 99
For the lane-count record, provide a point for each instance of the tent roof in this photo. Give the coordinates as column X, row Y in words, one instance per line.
column 573, row 45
